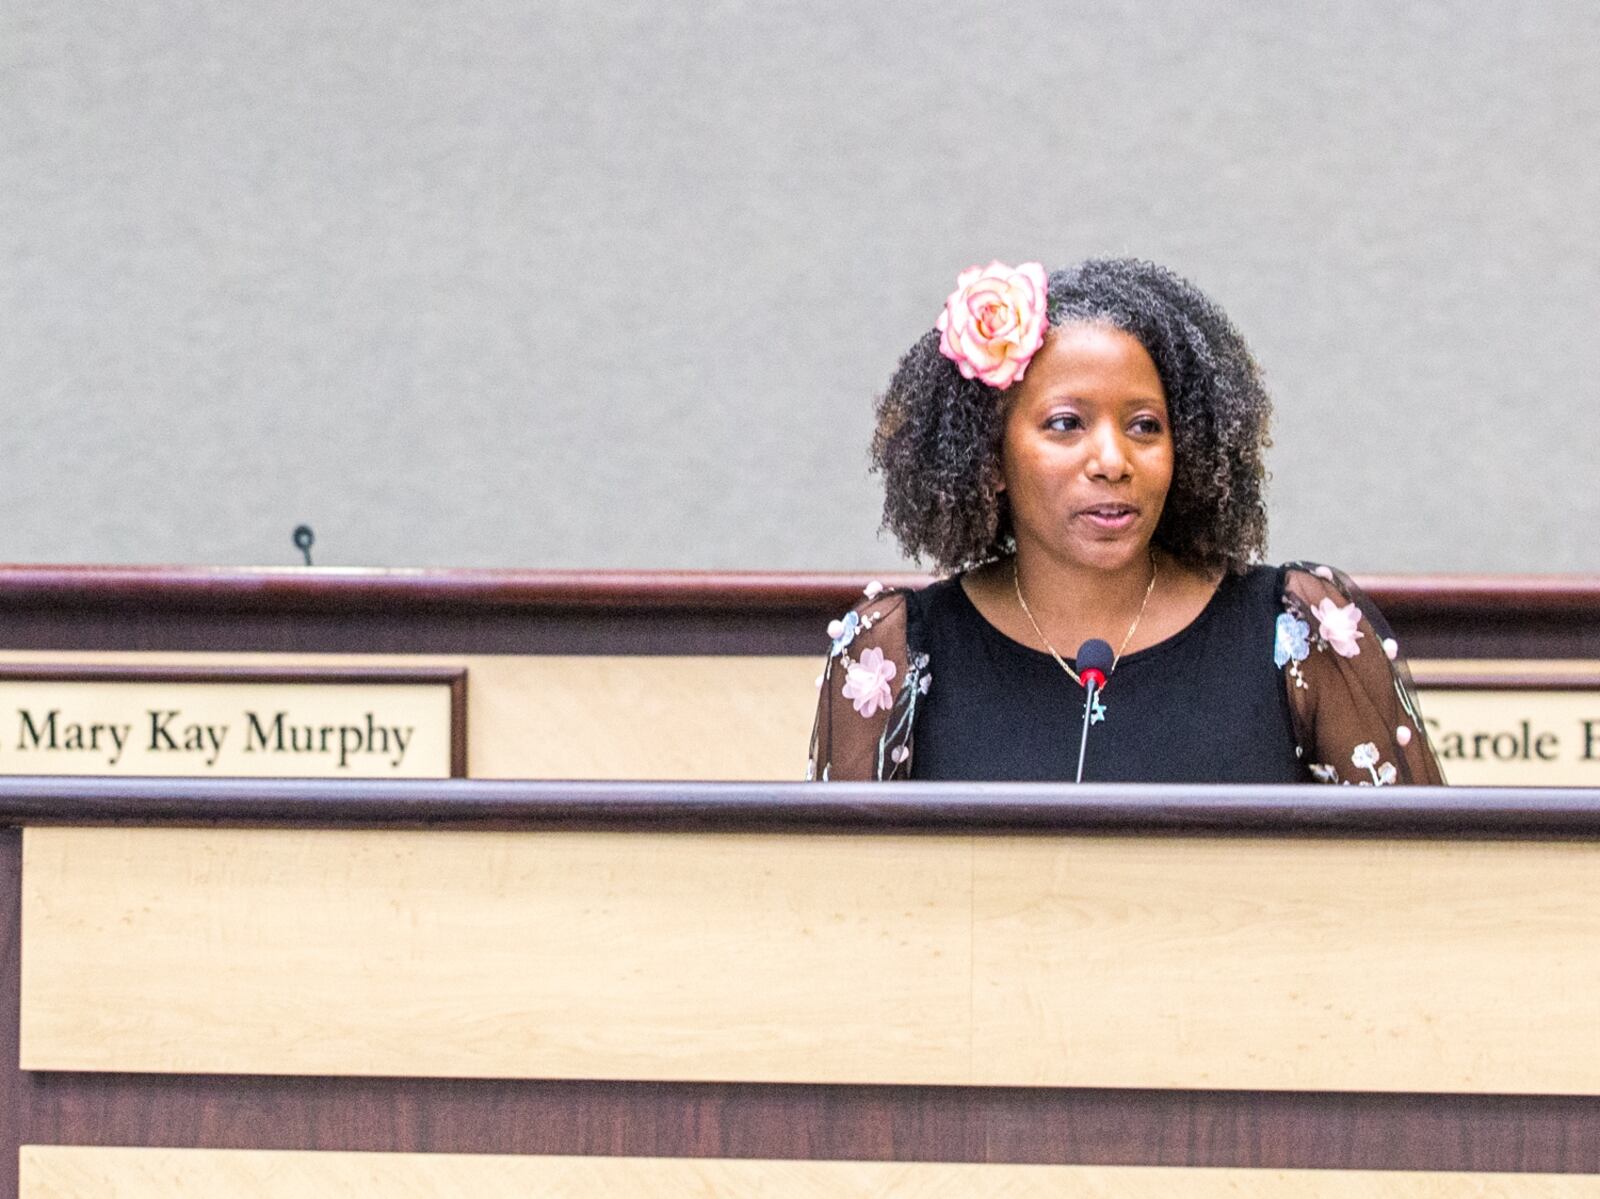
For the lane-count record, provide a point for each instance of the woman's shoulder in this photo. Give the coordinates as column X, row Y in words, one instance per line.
column 893, row 616
column 1249, row 594
column 1258, row 577
column 876, row 605
column 877, row 601
column 1301, row 593
column 1316, row 576
column 1316, row 596
column 941, row 595
column 1297, row 585
column 1311, row 586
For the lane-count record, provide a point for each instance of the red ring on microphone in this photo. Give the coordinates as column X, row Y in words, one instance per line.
column 1092, row 673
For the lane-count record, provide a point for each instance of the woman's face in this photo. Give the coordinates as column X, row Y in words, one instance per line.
column 1086, row 456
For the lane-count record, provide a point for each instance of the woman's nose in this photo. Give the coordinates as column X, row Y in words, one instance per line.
column 1108, row 457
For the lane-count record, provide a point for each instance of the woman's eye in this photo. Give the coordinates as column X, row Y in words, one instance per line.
column 1062, row 422
column 1148, row 425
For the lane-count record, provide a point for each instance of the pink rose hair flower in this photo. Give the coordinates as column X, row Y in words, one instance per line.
column 994, row 322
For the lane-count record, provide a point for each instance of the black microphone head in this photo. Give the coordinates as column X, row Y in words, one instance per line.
column 1095, row 654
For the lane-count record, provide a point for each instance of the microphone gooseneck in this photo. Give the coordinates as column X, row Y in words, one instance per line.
column 1095, row 661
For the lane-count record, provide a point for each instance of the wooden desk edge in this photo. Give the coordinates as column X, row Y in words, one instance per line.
column 291, row 589
column 947, row 808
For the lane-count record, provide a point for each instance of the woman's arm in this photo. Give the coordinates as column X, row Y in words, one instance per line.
column 868, row 694
column 1355, row 713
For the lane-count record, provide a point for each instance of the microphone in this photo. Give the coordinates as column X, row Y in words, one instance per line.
column 1095, row 660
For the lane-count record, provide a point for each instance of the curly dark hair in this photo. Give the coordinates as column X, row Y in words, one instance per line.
column 938, row 435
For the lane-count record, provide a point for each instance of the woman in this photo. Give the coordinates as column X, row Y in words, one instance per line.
column 1083, row 454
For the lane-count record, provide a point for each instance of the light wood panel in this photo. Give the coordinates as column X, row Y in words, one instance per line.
column 1138, row 962
column 603, row 717
column 60, row 1172
column 1425, row 671
column 1288, row 965
column 563, row 955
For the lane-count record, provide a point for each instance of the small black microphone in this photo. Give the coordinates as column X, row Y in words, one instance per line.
column 1095, row 660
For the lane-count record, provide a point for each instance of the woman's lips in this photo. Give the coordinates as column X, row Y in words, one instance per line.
column 1111, row 518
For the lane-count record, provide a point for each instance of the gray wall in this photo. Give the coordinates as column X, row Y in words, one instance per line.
column 560, row 284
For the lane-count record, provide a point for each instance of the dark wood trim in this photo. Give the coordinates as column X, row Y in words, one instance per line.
column 1494, row 597
column 950, row 808
column 304, row 611
column 458, row 721
column 1285, row 1130
column 1584, row 679
column 453, row 677
column 321, row 589
column 403, row 630
column 74, row 672
column 14, row 1095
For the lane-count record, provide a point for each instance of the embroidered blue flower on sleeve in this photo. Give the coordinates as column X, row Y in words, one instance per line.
column 843, row 632
column 1292, row 641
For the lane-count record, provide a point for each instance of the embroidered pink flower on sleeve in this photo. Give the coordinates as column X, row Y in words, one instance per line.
column 1339, row 626
column 866, row 683
column 994, row 322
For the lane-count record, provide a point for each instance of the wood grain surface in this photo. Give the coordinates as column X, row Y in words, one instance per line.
column 1217, row 963
column 1258, row 964
column 582, row 955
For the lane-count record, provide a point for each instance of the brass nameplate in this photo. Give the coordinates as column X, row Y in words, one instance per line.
column 1510, row 723
column 232, row 722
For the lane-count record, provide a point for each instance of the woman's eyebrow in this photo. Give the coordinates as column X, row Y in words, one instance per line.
column 1073, row 397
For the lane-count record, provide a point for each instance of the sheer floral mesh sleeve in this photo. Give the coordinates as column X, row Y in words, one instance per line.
column 1355, row 714
column 868, row 694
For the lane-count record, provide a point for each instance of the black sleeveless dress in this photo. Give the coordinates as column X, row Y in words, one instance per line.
column 1208, row 704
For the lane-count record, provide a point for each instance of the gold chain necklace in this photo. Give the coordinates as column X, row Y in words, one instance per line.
column 1016, row 582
